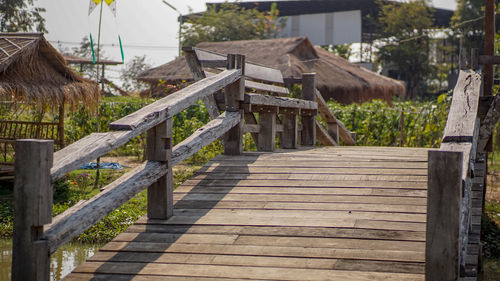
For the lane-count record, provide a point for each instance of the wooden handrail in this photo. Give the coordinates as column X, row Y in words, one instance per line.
column 98, row 144
column 155, row 113
column 252, row 70
column 451, row 169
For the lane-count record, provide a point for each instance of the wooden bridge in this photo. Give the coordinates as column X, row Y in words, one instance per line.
column 301, row 212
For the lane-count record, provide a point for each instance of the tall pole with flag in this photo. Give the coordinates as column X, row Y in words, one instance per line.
column 112, row 5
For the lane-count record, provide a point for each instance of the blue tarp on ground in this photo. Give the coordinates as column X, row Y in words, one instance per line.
column 104, row 165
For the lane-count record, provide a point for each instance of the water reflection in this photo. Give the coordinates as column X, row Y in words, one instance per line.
column 62, row 262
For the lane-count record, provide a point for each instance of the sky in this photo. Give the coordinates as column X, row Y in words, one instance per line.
column 146, row 27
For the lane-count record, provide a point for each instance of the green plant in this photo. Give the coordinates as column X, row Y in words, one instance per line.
column 405, row 123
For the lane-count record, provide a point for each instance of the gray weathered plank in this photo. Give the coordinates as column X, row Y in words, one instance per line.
column 32, row 208
column 266, row 100
column 84, row 215
column 327, row 115
column 205, row 135
column 252, row 70
column 443, row 213
column 155, row 113
column 464, row 108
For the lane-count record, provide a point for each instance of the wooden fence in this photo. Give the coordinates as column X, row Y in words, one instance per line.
column 455, row 187
column 37, row 234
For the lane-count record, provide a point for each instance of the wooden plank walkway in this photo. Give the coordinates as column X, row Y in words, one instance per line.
column 329, row 213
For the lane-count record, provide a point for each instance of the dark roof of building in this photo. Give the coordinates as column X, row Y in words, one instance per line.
column 442, row 17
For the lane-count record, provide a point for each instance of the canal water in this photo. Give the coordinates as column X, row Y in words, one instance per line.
column 62, row 262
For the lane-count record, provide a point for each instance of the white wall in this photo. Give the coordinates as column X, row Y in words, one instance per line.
column 327, row 28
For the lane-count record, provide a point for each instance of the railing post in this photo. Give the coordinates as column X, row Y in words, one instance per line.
column 267, row 135
column 159, row 148
column 308, row 136
column 234, row 94
column 290, row 129
column 444, row 198
column 32, row 209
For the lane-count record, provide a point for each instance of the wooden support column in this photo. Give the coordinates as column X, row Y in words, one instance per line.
column 290, row 131
column 198, row 74
column 32, row 209
column 60, row 127
column 159, row 148
column 442, row 251
column 489, row 45
column 333, row 131
column 267, row 135
column 234, row 94
column 308, row 136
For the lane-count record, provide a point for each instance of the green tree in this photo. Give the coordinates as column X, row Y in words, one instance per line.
column 85, row 51
column 129, row 75
column 19, row 15
column 230, row 22
column 342, row 50
column 405, row 28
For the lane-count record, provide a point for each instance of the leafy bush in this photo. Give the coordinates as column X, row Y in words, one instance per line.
column 406, row 123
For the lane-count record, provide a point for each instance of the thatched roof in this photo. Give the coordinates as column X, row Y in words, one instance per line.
column 33, row 71
column 337, row 78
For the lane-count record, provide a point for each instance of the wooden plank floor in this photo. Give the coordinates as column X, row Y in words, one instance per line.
column 338, row 213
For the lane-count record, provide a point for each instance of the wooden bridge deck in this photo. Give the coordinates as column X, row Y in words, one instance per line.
column 336, row 213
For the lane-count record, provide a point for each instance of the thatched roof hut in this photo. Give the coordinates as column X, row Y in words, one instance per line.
column 337, row 78
column 33, row 71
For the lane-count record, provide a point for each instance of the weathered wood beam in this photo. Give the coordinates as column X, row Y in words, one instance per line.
column 266, row 100
column 489, row 122
column 160, row 193
column 281, row 91
column 308, row 135
column 234, row 94
column 85, row 150
column 204, row 136
column 267, row 135
column 251, row 128
column 80, row 217
column 483, row 59
column 198, row 74
column 32, row 209
column 442, row 254
column 464, row 108
column 252, row 70
column 324, row 111
column 157, row 112
column 323, row 137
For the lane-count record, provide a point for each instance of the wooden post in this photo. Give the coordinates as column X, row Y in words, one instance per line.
column 444, row 197
column 463, row 59
column 308, row 136
column 234, row 94
column 333, row 131
column 267, row 134
column 32, row 209
column 290, row 130
column 198, row 74
column 489, row 45
column 474, row 58
column 159, row 148
column 60, row 129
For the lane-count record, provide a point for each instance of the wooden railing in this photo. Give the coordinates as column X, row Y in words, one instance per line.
column 455, row 171
column 261, row 79
column 37, row 235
